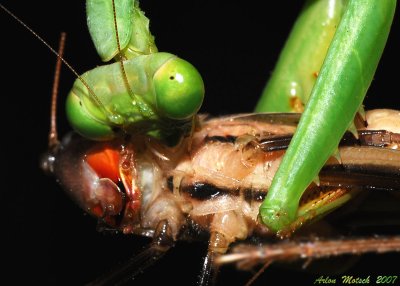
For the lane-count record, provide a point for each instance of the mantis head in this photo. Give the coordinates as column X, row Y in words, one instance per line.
column 161, row 87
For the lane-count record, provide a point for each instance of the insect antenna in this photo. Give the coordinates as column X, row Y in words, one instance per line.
column 53, row 135
column 90, row 90
column 121, row 62
column 47, row 160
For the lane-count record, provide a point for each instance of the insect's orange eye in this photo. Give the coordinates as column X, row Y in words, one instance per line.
column 105, row 162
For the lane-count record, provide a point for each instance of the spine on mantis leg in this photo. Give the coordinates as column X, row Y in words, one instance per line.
column 338, row 93
column 299, row 63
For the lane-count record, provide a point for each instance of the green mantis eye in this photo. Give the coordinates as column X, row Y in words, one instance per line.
column 179, row 89
column 84, row 123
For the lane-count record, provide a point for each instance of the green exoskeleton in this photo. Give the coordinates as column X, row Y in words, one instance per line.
column 146, row 91
column 340, row 87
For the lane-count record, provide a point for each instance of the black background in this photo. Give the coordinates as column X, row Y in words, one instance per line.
column 234, row 45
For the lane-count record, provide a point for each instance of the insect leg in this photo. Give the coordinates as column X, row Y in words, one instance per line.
column 208, row 271
column 107, row 18
column 226, row 227
column 299, row 63
column 249, row 256
column 340, row 88
column 162, row 242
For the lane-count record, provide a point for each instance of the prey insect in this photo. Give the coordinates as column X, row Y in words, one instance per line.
column 154, row 153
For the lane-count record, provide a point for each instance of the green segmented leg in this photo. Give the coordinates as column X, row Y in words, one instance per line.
column 338, row 93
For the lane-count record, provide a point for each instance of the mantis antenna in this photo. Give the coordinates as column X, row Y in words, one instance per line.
column 96, row 99
column 119, row 52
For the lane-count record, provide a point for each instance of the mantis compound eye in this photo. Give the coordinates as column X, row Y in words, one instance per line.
column 179, row 89
column 84, row 123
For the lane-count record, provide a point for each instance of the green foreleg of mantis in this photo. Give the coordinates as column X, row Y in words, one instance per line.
column 134, row 35
column 300, row 61
column 341, row 85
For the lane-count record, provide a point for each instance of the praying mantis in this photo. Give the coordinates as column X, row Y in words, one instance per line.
column 218, row 59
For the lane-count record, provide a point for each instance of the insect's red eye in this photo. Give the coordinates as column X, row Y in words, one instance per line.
column 105, row 162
